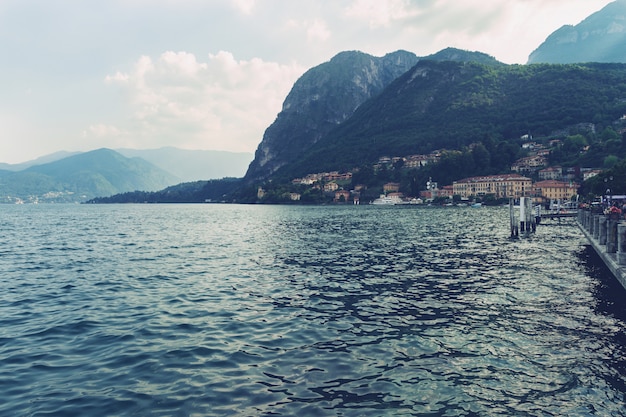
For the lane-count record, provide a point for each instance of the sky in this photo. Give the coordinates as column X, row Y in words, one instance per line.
column 80, row 75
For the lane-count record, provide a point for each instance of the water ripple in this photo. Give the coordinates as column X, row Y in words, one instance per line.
column 311, row 311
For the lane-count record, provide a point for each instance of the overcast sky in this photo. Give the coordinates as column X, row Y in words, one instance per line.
column 79, row 75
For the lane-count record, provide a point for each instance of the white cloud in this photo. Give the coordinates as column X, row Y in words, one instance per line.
column 318, row 31
column 221, row 103
column 381, row 12
column 102, row 130
column 182, row 63
column 117, row 77
column 244, row 6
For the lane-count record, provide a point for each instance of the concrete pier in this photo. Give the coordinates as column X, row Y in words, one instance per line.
column 607, row 236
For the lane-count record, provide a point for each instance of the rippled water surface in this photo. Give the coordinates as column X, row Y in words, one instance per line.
column 218, row 310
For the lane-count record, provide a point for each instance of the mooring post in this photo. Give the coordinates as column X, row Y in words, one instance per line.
column 611, row 238
column 522, row 214
column 537, row 214
column 602, row 230
column 514, row 231
column 595, row 231
column 621, row 243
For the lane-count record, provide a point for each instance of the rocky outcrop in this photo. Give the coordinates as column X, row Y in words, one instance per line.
column 324, row 97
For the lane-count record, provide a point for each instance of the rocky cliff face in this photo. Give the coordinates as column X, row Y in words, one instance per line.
column 324, row 97
column 599, row 38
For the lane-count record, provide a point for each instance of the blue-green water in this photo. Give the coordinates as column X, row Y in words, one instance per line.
column 219, row 310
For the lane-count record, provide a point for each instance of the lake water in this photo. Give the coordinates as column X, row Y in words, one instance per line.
column 232, row 310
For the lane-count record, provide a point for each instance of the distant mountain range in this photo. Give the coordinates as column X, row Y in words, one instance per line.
column 186, row 165
column 82, row 176
column 39, row 161
column 194, row 165
column 76, row 177
column 599, row 38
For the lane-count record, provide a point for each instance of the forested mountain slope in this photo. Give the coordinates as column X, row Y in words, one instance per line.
column 453, row 104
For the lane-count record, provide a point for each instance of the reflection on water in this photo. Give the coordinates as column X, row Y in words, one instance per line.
column 270, row 310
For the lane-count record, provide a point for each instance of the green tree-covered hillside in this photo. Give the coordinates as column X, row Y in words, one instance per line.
column 449, row 105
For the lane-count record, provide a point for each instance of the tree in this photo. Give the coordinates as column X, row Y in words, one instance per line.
column 482, row 158
column 610, row 161
column 609, row 134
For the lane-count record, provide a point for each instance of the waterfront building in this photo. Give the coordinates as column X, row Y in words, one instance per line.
column 555, row 190
column 500, row 186
column 342, row 195
column 391, row 187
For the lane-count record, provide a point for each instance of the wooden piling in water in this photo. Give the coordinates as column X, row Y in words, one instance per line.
column 527, row 220
column 514, row 229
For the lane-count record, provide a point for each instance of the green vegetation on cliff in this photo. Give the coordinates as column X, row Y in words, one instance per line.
column 450, row 105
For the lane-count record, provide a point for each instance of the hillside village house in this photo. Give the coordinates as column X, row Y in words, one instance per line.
column 342, row 195
column 336, row 176
column 529, row 164
column 329, row 187
column 416, row 161
column 311, row 179
column 501, row 186
column 554, row 190
column 591, row 173
column 551, row 173
column 391, row 187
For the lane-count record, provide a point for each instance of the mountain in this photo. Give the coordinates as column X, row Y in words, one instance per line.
column 193, row 165
column 450, row 105
column 80, row 177
column 459, row 55
column 328, row 95
column 599, row 38
column 321, row 99
column 41, row 160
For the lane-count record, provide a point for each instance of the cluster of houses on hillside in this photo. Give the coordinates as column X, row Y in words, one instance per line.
column 555, row 182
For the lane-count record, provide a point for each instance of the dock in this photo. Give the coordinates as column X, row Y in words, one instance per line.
column 607, row 236
column 561, row 215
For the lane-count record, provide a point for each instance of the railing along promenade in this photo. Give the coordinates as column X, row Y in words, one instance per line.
column 607, row 235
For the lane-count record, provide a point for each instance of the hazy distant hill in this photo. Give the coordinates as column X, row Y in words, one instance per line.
column 599, row 38
column 194, row 165
column 83, row 176
column 41, row 160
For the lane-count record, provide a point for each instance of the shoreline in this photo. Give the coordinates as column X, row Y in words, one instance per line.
column 610, row 259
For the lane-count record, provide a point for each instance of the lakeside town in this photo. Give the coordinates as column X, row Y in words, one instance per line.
column 551, row 182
